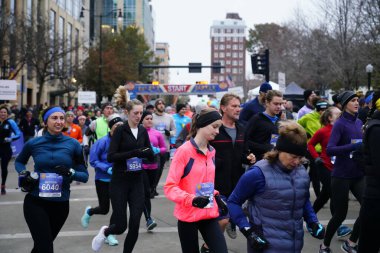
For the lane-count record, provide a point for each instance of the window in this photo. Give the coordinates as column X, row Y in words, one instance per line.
column 221, row 62
column 69, row 45
column 234, row 71
column 234, row 47
column 228, row 62
column 222, row 71
column 228, row 70
column 221, row 46
column 228, row 46
column 235, row 39
column 228, row 38
column 240, row 55
column 216, row 55
column 240, row 63
column 221, row 78
column 76, row 47
column 221, row 55
column 234, row 55
column 228, row 54
column 240, row 71
column 216, row 46
column 241, row 39
column 234, row 63
column 221, row 39
column 29, row 9
column 241, row 47
column 61, row 3
column 216, row 39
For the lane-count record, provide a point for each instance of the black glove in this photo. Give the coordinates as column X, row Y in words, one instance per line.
column 316, row 230
column 222, row 205
column 318, row 161
column 256, row 241
column 201, row 201
column 27, row 181
column 143, row 152
column 167, row 132
column 63, row 171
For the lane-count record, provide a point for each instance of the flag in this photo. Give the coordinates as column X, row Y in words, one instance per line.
column 229, row 81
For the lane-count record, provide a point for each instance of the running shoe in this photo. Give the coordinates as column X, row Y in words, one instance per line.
column 3, row 191
column 85, row 220
column 231, row 230
column 98, row 240
column 343, row 231
column 325, row 250
column 204, row 249
column 111, row 240
column 346, row 247
column 150, row 224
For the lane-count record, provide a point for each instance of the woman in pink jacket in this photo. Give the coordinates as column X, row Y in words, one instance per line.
column 150, row 168
column 190, row 184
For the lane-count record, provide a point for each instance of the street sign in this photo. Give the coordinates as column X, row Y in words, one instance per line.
column 8, row 90
column 86, row 97
column 177, row 89
column 195, row 67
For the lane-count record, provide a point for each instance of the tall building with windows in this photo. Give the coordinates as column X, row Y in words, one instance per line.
column 228, row 39
column 65, row 29
column 162, row 53
column 135, row 13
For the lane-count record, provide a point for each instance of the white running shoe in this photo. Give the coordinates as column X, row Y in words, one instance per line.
column 98, row 240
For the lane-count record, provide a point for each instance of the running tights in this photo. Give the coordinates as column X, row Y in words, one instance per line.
column 340, row 188
column 211, row 233
column 102, row 190
column 45, row 219
column 5, row 156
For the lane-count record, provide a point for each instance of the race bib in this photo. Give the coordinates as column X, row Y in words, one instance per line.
column 161, row 127
column 273, row 139
column 134, row 164
column 50, row 185
column 206, row 189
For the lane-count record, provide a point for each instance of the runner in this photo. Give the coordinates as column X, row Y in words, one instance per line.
column 72, row 130
column 103, row 172
column 46, row 206
column 277, row 188
column 8, row 133
column 346, row 137
column 129, row 145
column 190, row 184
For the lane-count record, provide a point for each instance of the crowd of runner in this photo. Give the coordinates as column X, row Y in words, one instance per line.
column 232, row 166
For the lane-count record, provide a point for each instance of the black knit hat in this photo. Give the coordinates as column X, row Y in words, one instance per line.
column 345, row 97
column 307, row 93
column 113, row 119
column 145, row 113
column 105, row 105
column 179, row 107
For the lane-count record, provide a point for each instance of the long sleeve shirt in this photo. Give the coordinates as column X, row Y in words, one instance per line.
column 157, row 140
column 49, row 151
column 345, row 130
column 250, row 184
column 321, row 137
column 98, row 158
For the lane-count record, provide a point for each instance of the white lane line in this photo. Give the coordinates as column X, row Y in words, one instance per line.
column 95, row 232
column 84, row 233
column 8, row 203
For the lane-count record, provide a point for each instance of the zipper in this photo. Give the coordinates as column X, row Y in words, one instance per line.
column 294, row 200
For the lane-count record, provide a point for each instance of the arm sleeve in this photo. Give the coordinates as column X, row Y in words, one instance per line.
column 161, row 143
column 147, row 145
column 332, row 148
column 171, row 187
column 373, row 142
column 23, row 157
column 181, row 137
column 95, row 156
column 250, row 184
column 308, row 213
column 15, row 129
column 81, row 173
column 316, row 139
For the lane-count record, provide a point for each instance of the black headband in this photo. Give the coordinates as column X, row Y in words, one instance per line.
column 208, row 118
column 286, row 145
column 114, row 121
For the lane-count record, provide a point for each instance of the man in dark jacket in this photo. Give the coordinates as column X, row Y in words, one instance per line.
column 262, row 130
column 29, row 125
column 254, row 106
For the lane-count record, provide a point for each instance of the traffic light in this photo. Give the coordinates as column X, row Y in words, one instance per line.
column 195, row 67
column 260, row 64
column 216, row 66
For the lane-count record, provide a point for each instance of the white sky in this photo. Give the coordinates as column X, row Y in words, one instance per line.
column 185, row 25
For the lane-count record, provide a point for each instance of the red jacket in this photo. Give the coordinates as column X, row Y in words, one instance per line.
column 190, row 167
column 322, row 137
column 74, row 132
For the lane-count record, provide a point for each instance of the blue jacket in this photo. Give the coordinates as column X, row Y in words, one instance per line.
column 347, row 128
column 8, row 127
column 279, row 199
column 250, row 109
column 98, row 158
column 49, row 151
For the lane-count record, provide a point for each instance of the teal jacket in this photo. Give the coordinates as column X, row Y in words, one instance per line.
column 49, row 151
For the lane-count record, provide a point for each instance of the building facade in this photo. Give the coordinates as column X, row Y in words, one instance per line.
column 134, row 13
column 228, row 38
column 162, row 53
column 62, row 18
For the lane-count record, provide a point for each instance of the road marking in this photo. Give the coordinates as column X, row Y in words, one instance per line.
column 85, row 233
column 141, row 231
column 8, row 203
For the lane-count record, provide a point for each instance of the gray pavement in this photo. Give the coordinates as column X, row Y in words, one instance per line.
column 15, row 237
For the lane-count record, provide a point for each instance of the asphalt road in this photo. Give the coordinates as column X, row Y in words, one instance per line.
column 15, row 236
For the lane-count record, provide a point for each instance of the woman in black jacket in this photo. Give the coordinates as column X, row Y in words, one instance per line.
column 129, row 146
column 369, row 213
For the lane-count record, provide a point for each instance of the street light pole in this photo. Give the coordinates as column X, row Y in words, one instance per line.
column 369, row 69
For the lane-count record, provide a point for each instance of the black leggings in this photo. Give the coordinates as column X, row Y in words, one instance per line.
column 126, row 190
column 340, row 188
column 324, row 196
column 314, row 175
column 147, row 204
column 45, row 219
column 5, row 155
column 163, row 158
column 102, row 190
column 211, row 233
